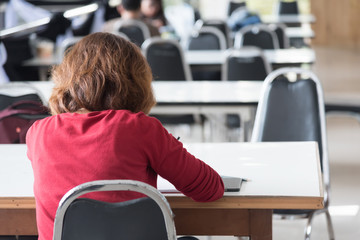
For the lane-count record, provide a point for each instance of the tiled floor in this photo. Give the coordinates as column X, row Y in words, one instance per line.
column 339, row 72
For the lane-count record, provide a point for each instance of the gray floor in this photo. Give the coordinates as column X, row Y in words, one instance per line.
column 339, row 72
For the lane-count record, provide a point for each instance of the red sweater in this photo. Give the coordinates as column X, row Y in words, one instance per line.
column 69, row 149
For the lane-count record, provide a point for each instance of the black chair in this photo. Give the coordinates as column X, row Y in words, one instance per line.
column 233, row 5
column 246, row 63
column 149, row 217
column 16, row 91
column 206, row 38
column 166, row 59
column 291, row 108
column 287, row 7
column 167, row 62
column 136, row 30
column 222, row 26
column 20, row 106
column 279, row 29
column 259, row 35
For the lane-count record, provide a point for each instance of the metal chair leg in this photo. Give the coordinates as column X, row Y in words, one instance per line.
column 329, row 225
column 308, row 226
column 328, row 221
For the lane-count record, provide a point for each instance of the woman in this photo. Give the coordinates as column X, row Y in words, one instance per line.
column 153, row 12
column 100, row 130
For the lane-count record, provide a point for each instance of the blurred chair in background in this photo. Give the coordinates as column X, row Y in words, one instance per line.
column 286, row 7
column 20, row 106
column 279, row 29
column 135, row 30
column 222, row 26
column 166, row 59
column 206, row 38
column 246, row 63
column 234, row 4
column 259, row 35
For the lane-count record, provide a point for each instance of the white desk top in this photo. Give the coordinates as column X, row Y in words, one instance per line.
column 278, row 56
column 274, row 169
column 207, row 92
column 192, row 92
column 288, row 18
column 299, row 32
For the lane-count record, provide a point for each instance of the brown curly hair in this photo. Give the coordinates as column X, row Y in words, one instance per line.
column 102, row 71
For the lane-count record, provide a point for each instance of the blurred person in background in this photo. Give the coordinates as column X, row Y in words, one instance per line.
column 129, row 9
column 153, row 12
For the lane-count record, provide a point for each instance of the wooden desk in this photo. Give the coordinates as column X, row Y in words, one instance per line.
column 244, row 213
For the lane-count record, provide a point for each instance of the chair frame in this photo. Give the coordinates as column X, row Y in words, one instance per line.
column 211, row 23
column 155, row 40
column 277, row 8
column 233, row 5
column 114, row 185
column 132, row 22
column 210, row 30
column 259, row 122
column 239, row 36
column 121, row 34
column 246, row 51
column 282, row 26
column 21, row 88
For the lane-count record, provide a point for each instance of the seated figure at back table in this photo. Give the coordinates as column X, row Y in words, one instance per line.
column 153, row 12
column 100, row 130
column 129, row 9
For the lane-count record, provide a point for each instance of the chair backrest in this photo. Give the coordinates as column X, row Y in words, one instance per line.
column 136, row 30
column 207, row 38
column 166, row 59
column 13, row 92
column 246, row 63
column 121, row 34
column 222, row 26
column 86, row 219
column 287, row 7
column 233, row 5
column 280, row 31
column 259, row 35
column 291, row 108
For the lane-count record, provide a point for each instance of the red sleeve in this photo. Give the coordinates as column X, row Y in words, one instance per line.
column 188, row 174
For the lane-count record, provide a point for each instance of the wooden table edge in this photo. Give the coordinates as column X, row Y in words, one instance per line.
column 226, row 202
